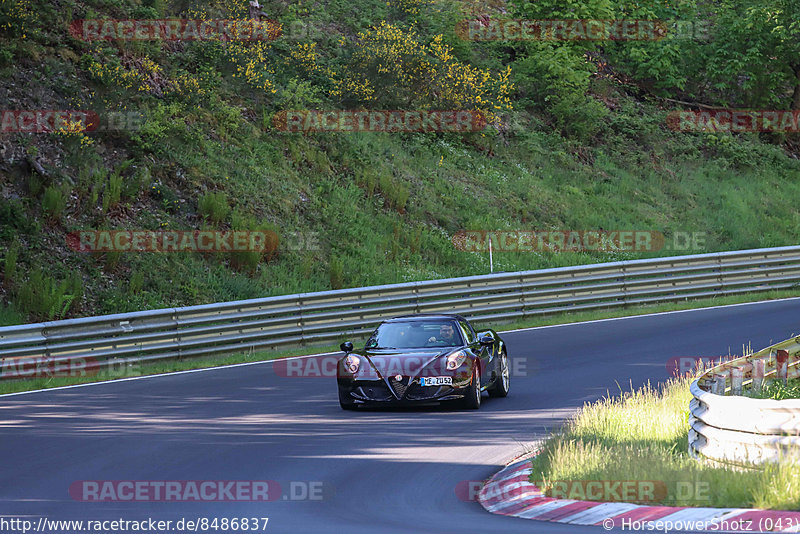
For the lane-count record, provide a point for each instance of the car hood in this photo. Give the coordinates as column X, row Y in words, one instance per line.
column 405, row 362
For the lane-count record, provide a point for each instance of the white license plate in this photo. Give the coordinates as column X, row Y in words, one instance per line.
column 436, row 381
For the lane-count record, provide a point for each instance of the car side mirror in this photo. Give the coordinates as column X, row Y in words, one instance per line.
column 346, row 346
column 486, row 338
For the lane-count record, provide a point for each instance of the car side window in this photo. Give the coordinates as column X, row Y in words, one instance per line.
column 469, row 335
column 372, row 342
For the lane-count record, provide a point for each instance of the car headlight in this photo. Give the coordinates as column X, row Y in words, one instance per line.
column 455, row 360
column 351, row 364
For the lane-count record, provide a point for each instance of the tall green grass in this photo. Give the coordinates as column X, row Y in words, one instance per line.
column 642, row 435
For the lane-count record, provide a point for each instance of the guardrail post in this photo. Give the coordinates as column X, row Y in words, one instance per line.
column 176, row 325
column 782, row 358
column 759, row 367
column 737, row 377
column 718, row 385
column 300, row 322
column 46, row 353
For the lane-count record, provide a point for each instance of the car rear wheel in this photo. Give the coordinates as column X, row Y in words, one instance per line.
column 472, row 399
column 500, row 388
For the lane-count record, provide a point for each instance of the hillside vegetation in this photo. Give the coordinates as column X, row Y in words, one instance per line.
column 578, row 139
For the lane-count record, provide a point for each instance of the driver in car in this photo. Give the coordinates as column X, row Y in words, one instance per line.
column 446, row 335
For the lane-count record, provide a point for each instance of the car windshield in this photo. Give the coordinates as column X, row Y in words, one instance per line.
column 415, row 334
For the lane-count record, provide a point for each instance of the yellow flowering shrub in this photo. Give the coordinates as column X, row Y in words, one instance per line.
column 251, row 59
column 150, row 71
column 16, row 17
column 252, row 63
column 73, row 130
column 396, row 67
column 116, row 75
column 305, row 56
column 187, row 85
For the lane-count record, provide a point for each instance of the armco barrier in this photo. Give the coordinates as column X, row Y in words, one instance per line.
column 739, row 430
column 326, row 316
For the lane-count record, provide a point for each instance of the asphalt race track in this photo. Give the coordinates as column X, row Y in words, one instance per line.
column 379, row 471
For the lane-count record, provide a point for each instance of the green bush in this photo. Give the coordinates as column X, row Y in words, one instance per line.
column 42, row 298
column 54, row 202
column 35, row 184
column 161, row 122
column 14, row 218
column 113, row 191
column 111, row 260
column 137, row 283
column 777, row 390
column 366, row 179
column 10, row 262
column 133, row 185
column 9, row 316
column 114, row 187
column 394, row 191
column 248, row 260
column 241, row 220
column 555, row 79
column 6, row 58
column 214, row 207
column 336, row 272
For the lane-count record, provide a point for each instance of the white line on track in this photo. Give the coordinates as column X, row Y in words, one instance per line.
column 650, row 314
column 167, row 374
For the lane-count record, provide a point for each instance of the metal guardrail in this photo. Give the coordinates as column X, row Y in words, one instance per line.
column 326, row 316
column 735, row 429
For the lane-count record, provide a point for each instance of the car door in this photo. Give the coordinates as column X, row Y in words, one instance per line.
column 484, row 354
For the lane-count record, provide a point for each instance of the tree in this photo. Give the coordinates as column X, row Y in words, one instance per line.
column 755, row 54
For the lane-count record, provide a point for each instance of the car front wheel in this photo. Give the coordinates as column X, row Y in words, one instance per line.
column 472, row 399
column 345, row 403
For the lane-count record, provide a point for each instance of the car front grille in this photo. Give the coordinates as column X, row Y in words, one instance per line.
column 399, row 386
column 378, row 392
column 417, row 392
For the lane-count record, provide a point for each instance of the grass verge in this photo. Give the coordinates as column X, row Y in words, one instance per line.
column 642, row 436
column 777, row 390
column 156, row 368
column 15, row 386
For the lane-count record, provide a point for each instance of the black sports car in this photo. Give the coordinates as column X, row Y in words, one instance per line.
column 423, row 358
